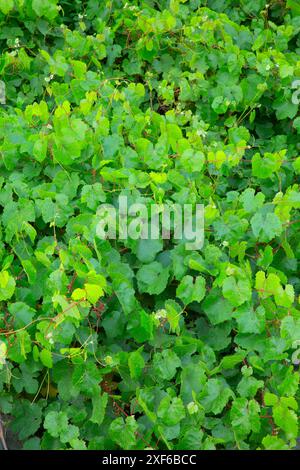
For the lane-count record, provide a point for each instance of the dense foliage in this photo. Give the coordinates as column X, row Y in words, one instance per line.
column 135, row 344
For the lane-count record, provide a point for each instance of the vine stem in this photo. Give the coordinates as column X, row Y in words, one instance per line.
column 121, row 410
column 2, row 438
